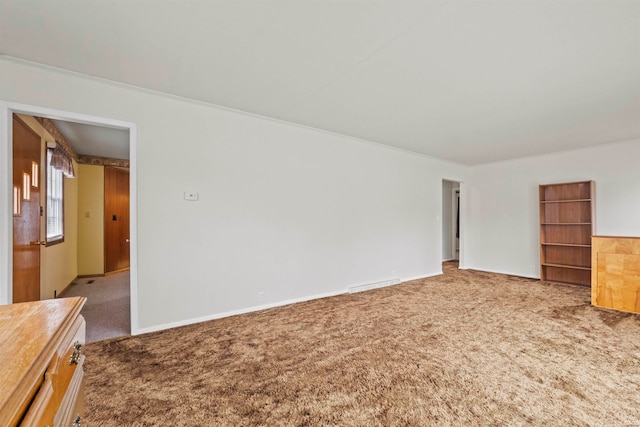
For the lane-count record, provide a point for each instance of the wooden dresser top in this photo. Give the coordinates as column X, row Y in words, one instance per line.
column 29, row 334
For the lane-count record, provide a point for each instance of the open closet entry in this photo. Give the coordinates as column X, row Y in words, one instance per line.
column 450, row 220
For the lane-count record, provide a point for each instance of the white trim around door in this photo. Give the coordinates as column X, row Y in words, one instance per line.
column 6, row 170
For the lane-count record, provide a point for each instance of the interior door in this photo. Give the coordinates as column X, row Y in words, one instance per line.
column 116, row 219
column 26, row 212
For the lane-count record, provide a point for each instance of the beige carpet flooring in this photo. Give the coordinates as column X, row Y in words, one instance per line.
column 463, row 349
column 107, row 310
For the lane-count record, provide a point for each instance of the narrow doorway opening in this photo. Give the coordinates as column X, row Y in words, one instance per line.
column 451, row 222
column 455, row 232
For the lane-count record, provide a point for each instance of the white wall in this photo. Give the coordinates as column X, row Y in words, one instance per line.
column 58, row 263
column 285, row 210
column 502, row 231
column 90, row 219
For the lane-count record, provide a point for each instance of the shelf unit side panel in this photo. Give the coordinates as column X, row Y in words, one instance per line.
column 541, row 219
column 592, row 206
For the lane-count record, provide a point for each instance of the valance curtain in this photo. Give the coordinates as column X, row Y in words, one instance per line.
column 62, row 161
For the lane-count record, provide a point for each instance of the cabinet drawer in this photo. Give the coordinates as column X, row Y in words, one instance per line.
column 71, row 407
column 69, row 357
column 42, row 410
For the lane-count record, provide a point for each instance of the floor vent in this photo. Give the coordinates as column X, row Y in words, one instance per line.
column 369, row 286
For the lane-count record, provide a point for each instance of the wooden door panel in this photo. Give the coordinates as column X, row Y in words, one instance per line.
column 26, row 220
column 116, row 219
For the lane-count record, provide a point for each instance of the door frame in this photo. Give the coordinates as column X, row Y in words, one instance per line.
column 451, row 232
column 7, row 109
column 455, row 205
column 463, row 220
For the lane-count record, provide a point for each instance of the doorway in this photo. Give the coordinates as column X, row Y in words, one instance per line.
column 451, row 221
column 7, row 187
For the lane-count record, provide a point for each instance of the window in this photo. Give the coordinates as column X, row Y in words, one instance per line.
column 55, row 205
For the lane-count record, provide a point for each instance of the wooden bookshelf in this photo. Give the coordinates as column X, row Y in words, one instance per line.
column 566, row 227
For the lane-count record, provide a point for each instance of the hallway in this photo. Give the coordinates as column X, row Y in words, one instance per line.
column 107, row 310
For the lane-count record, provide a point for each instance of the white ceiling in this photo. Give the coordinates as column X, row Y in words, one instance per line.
column 93, row 140
column 466, row 81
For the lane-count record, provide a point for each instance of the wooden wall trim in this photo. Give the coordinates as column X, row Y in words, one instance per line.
column 102, row 161
column 60, row 139
column 87, row 160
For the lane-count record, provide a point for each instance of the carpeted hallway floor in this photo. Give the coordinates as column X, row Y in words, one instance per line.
column 466, row 348
column 107, row 310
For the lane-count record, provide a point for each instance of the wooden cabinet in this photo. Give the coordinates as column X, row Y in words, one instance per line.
column 41, row 363
column 566, row 227
column 615, row 279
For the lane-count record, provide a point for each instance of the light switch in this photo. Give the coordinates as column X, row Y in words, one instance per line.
column 191, row 196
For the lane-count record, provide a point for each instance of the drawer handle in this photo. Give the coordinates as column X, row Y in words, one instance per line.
column 75, row 356
column 76, row 422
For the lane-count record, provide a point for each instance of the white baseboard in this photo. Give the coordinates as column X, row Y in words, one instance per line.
column 233, row 313
column 507, row 273
column 370, row 286
column 409, row 279
column 252, row 309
